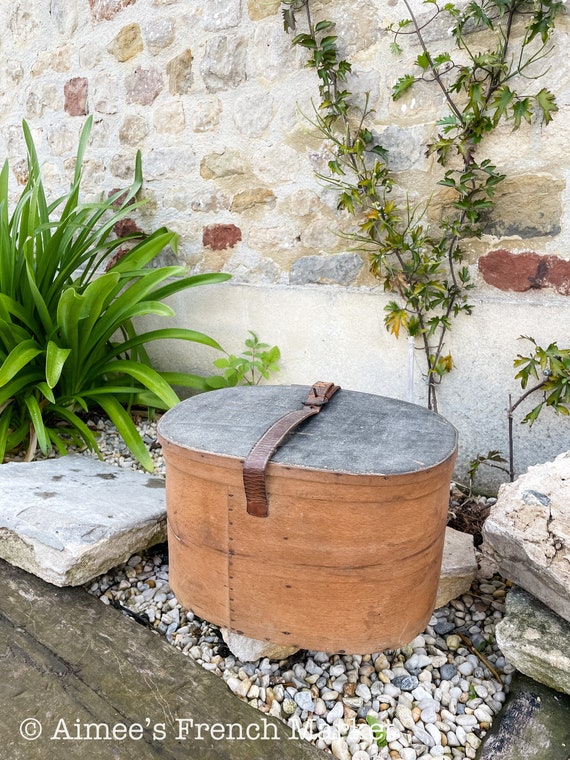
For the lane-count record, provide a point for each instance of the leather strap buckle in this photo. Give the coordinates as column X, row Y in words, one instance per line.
column 320, row 394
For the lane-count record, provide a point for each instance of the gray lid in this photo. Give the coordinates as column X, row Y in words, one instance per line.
column 355, row 433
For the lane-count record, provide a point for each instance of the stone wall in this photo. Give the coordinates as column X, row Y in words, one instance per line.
column 212, row 94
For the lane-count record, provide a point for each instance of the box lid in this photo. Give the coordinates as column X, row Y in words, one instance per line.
column 356, row 433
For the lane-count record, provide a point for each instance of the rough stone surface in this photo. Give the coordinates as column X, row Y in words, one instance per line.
column 535, row 640
column 70, row 519
column 258, row 9
column 218, row 237
column 221, row 165
column 338, row 269
column 458, row 567
column 143, row 86
column 223, row 64
column 257, row 196
column 527, row 206
column 179, row 70
column 128, row 43
column 75, row 93
column 527, row 533
column 534, row 725
column 249, row 650
column 525, row 271
column 104, row 10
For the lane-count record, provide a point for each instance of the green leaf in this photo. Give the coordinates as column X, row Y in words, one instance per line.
column 38, row 423
column 5, row 419
column 147, row 376
column 127, row 429
column 378, row 730
column 501, row 103
column 55, row 359
column 546, row 102
column 402, row 85
column 521, row 110
column 18, row 358
column 423, row 60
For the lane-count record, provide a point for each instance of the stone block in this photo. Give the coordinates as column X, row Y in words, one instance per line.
column 337, row 269
column 179, row 70
column 250, row 650
column 527, row 533
column 143, row 86
column 223, row 64
column 256, row 196
column 127, row 44
column 75, row 93
column 105, row 10
column 458, row 567
column 525, row 271
column 515, row 214
column 71, row 519
column 535, row 640
column 258, row 9
column 218, row 237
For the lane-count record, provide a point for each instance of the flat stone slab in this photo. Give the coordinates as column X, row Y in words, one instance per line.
column 72, row 670
column 533, row 725
column 527, row 533
column 458, row 567
column 535, row 640
column 71, row 519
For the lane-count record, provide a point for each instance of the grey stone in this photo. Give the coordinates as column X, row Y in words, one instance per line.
column 458, row 567
column 405, row 683
column 535, row 640
column 250, row 650
column 336, row 269
column 223, row 64
column 71, row 519
column 222, row 15
column 447, row 672
column 534, row 725
column 406, row 147
column 527, row 533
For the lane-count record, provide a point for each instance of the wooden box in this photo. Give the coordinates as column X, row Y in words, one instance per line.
column 348, row 557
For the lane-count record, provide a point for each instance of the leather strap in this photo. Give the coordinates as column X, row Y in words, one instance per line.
column 261, row 452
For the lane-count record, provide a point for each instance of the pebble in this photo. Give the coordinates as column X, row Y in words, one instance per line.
column 435, row 698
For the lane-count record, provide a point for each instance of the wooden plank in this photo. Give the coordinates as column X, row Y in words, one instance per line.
column 66, row 660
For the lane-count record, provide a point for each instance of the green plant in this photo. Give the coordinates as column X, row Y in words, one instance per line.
column 67, row 338
column 493, row 458
column 551, row 368
column 257, row 362
column 378, row 730
column 419, row 261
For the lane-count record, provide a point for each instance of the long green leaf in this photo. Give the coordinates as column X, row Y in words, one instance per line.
column 147, row 376
column 126, row 427
column 15, row 387
column 167, row 333
column 55, row 359
column 210, row 278
column 77, row 423
column 23, row 354
column 38, row 423
column 143, row 253
column 5, row 418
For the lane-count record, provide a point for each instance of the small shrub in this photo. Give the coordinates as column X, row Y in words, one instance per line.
column 68, row 343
